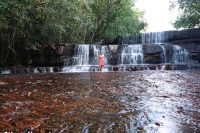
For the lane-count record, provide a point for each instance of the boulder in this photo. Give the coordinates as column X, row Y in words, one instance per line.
column 113, row 48
column 67, row 50
column 153, row 58
column 151, row 49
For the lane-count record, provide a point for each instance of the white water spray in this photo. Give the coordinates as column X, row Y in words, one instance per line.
column 132, row 54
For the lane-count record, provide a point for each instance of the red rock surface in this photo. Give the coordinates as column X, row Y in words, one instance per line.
column 143, row 101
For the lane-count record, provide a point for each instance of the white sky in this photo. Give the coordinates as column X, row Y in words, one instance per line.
column 157, row 14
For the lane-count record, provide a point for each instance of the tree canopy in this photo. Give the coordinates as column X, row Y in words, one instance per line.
column 189, row 13
column 82, row 21
column 31, row 23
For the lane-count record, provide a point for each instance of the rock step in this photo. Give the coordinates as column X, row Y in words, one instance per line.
column 118, row 68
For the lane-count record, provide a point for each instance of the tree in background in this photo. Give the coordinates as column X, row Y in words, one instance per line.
column 37, row 23
column 117, row 18
column 189, row 13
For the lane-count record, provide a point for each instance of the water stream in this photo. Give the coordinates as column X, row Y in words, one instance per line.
column 180, row 54
column 131, row 54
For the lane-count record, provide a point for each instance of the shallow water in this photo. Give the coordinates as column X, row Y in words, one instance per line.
column 142, row 101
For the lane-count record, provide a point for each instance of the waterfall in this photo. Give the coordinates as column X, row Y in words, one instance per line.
column 94, row 52
column 106, row 52
column 131, row 54
column 153, row 38
column 81, row 55
column 156, row 38
column 180, row 54
column 85, row 54
column 164, row 54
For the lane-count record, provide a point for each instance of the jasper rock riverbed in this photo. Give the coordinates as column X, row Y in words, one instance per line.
column 142, row 101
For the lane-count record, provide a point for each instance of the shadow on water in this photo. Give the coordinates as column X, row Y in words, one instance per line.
column 142, row 101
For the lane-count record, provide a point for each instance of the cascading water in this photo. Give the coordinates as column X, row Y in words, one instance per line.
column 88, row 54
column 131, row 54
column 85, row 57
column 94, row 52
column 180, row 54
column 153, row 38
column 164, row 54
column 156, row 38
column 106, row 53
column 81, row 55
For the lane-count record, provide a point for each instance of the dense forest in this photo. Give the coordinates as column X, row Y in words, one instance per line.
column 36, row 23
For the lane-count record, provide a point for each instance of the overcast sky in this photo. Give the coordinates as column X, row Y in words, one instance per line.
column 157, row 14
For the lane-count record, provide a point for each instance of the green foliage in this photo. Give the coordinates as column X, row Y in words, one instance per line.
column 189, row 14
column 42, row 22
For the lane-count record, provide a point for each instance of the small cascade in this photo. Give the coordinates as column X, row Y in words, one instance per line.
column 164, row 54
column 131, row 54
column 153, row 38
column 146, row 48
column 156, row 38
column 36, row 71
column 85, row 57
column 180, row 54
column 5, row 72
column 88, row 54
column 94, row 52
column 135, row 39
column 106, row 53
column 81, row 55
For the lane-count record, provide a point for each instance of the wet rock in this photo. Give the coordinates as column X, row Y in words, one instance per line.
column 49, row 69
column 168, row 67
column 152, row 67
column 159, row 67
column 153, row 58
column 66, row 49
column 92, row 69
column 41, row 70
column 140, row 129
column 179, row 109
column 19, row 70
column 165, row 96
column 157, row 124
column 115, row 68
column 57, row 69
column 152, row 49
column 133, row 68
column 136, row 98
column 30, row 70
column 139, row 68
column 128, row 69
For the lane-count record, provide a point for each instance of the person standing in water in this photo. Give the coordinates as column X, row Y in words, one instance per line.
column 101, row 61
